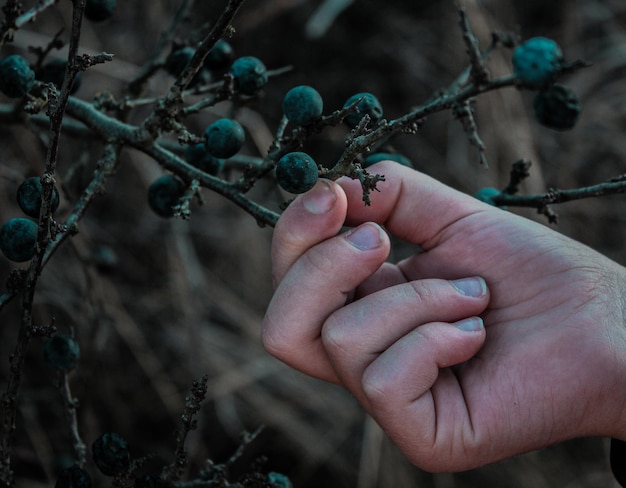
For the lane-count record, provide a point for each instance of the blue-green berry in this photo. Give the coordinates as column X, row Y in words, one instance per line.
column 17, row 239
column 110, row 453
column 164, row 193
column 385, row 156
column 558, row 107
column 62, row 352
column 296, row 172
column 537, row 61
column 224, row 138
column 178, row 59
column 279, row 480
column 16, row 76
column 369, row 105
column 29, row 197
column 73, row 477
column 197, row 155
column 99, row 10
column 220, row 56
column 104, row 257
column 303, row 104
column 487, row 194
column 249, row 75
column 54, row 72
column 150, row 481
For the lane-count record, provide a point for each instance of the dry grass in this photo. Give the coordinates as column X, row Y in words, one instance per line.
column 185, row 299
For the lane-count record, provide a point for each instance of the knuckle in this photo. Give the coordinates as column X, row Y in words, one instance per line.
column 318, row 263
column 274, row 343
column 421, row 291
column 335, row 336
column 376, row 389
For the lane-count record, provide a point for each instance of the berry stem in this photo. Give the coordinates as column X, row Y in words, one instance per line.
column 541, row 201
column 479, row 73
column 71, row 405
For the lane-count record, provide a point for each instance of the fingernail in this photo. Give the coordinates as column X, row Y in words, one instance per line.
column 365, row 237
column 473, row 324
column 471, row 287
column 320, row 199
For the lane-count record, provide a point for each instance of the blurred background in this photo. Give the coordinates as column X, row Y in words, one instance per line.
column 155, row 303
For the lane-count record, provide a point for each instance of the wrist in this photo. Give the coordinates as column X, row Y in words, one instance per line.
column 617, row 352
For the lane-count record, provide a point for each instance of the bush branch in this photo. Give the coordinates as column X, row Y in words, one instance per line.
column 543, row 201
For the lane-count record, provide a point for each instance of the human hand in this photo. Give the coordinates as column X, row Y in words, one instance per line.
column 549, row 363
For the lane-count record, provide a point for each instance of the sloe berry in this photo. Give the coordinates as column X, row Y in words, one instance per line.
column 303, row 104
column 29, row 197
column 220, row 56
column 17, row 239
column 249, row 74
column 558, row 107
column 224, row 138
column 486, row 195
column 164, row 193
column 537, row 61
column 369, row 105
column 62, row 352
column 197, row 155
column 385, row 156
column 99, row 10
column 73, row 477
column 110, row 453
column 296, row 172
column 16, row 77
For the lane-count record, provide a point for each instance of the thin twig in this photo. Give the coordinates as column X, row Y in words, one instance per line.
column 10, row 398
column 193, row 402
column 14, row 19
column 519, row 172
column 71, row 405
column 465, row 115
column 554, row 195
column 479, row 73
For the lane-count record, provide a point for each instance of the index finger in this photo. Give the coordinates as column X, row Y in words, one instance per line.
column 310, row 219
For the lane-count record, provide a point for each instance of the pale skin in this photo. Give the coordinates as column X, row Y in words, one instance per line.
column 531, row 353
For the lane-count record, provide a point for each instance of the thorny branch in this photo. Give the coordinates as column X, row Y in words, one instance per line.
column 542, row 201
column 56, row 112
column 14, row 18
column 193, row 402
column 76, row 116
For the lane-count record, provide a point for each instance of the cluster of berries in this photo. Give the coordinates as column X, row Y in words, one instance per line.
column 224, row 137
column 537, row 63
column 111, row 456
column 16, row 75
column 19, row 234
column 296, row 172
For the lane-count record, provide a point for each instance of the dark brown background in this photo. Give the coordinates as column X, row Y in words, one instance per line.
column 187, row 298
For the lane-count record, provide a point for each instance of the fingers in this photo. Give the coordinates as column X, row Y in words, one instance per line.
column 410, row 205
column 316, row 284
column 309, row 219
column 359, row 334
column 422, row 407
